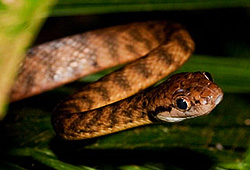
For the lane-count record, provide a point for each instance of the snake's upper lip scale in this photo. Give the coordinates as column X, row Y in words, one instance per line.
column 218, row 100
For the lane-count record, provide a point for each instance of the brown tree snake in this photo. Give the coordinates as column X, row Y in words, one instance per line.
column 156, row 48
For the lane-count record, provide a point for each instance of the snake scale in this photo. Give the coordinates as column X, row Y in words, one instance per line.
column 111, row 104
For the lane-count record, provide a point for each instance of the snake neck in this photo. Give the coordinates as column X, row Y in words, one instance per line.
column 131, row 112
column 121, row 115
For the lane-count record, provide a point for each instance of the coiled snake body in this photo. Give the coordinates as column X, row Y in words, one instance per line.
column 101, row 108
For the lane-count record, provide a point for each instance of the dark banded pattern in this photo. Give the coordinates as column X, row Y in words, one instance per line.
column 158, row 48
column 144, row 108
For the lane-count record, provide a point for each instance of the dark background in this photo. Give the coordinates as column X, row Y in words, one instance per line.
column 214, row 31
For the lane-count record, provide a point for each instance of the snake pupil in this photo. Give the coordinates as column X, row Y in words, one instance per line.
column 181, row 104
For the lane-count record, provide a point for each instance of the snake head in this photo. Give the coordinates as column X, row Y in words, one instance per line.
column 190, row 95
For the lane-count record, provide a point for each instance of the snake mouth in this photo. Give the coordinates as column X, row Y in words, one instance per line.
column 219, row 99
column 174, row 118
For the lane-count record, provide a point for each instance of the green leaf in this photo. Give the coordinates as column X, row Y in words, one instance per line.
column 76, row 7
column 223, row 135
column 246, row 163
column 19, row 22
column 47, row 157
column 229, row 72
column 10, row 166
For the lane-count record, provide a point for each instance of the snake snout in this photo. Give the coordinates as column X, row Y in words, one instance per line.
column 217, row 94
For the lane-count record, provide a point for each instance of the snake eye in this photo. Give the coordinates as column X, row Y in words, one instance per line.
column 208, row 76
column 182, row 103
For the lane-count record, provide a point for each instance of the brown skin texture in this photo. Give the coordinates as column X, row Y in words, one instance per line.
column 96, row 110
column 166, row 45
column 153, row 105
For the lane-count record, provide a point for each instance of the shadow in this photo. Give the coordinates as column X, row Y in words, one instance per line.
column 73, row 152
